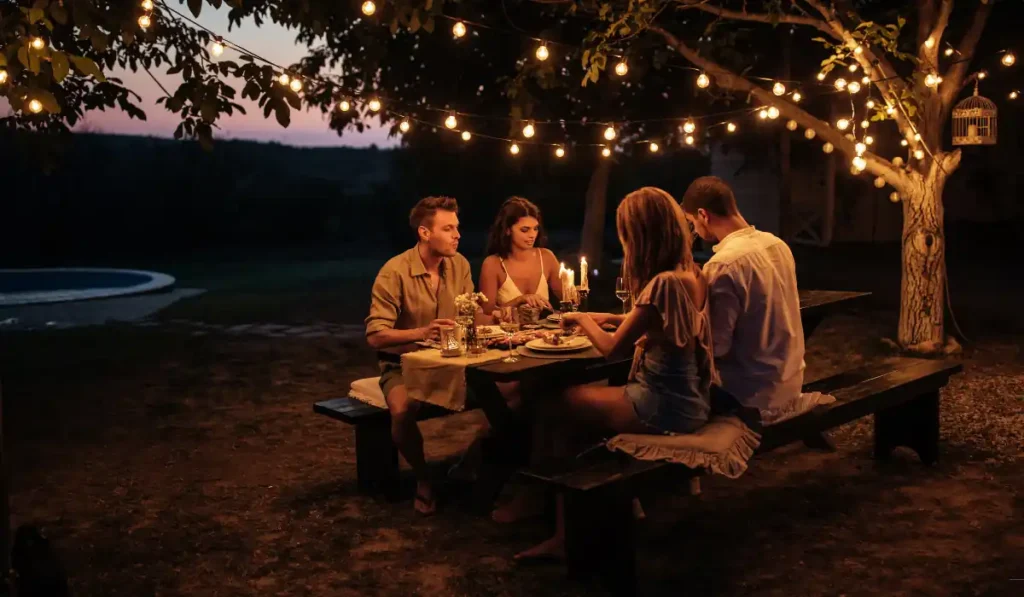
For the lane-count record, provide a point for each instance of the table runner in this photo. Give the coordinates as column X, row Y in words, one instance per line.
column 429, row 377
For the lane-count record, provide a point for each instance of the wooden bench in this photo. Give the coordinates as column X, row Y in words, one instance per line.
column 903, row 396
column 376, row 455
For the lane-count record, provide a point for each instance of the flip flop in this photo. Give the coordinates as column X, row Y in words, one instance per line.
column 430, row 502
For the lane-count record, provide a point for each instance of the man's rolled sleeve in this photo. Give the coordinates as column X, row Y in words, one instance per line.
column 385, row 303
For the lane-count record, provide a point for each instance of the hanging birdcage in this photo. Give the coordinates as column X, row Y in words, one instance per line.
column 974, row 121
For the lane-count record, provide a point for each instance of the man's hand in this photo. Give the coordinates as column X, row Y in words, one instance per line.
column 433, row 331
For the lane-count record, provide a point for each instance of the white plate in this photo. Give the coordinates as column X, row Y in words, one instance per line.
column 574, row 343
column 487, row 332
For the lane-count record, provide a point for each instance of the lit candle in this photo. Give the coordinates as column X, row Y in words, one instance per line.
column 584, row 282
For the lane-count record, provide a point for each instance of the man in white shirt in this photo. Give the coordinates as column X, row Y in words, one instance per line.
column 755, row 308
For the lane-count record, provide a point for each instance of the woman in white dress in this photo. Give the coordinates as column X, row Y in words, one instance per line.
column 518, row 270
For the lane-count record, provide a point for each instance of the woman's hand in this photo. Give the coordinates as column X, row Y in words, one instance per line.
column 534, row 300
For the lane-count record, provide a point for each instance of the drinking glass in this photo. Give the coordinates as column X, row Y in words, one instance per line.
column 621, row 292
column 510, row 327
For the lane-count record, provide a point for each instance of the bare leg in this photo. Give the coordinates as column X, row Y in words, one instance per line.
column 407, row 437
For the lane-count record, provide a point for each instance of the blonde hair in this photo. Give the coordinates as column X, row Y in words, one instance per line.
column 654, row 237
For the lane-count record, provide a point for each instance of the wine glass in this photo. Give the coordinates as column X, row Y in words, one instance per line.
column 509, row 325
column 621, row 292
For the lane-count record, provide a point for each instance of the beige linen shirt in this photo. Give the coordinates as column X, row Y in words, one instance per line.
column 755, row 319
column 402, row 297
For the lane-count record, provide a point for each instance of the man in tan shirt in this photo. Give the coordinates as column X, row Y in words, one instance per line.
column 413, row 296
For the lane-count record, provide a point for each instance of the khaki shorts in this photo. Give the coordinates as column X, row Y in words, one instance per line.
column 390, row 377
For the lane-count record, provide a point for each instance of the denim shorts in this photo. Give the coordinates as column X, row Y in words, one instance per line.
column 665, row 414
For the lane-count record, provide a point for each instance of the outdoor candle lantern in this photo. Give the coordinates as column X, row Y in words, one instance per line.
column 974, row 121
column 451, row 345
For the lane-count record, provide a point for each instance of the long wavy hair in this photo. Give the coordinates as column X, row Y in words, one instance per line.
column 499, row 240
column 654, row 237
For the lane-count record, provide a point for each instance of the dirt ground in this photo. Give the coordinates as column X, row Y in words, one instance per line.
column 166, row 463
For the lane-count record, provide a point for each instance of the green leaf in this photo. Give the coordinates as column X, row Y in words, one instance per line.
column 59, row 64
column 414, row 22
column 49, row 102
column 23, row 56
column 3, row 59
column 283, row 114
column 33, row 62
column 99, row 40
column 428, row 4
column 128, row 37
column 208, row 110
column 59, row 13
column 900, row 22
column 35, row 14
column 195, row 6
column 428, row 25
column 87, row 67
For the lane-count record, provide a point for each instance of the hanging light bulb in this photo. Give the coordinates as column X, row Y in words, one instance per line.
column 840, row 83
column 929, row 43
column 879, row 183
column 865, row 80
column 653, row 147
column 703, row 81
column 982, row 75
column 917, row 136
column 904, row 142
column 853, row 68
column 459, row 29
column 217, row 47
column 864, row 124
column 894, row 197
column 854, row 87
column 284, row 79
column 144, row 22
column 797, row 97
column 930, row 80
column 3, row 76
column 897, row 161
column 821, row 76
column 919, row 154
column 404, row 126
column 858, row 50
column 827, row 148
column 514, row 149
column 689, row 139
column 810, row 134
column 689, row 127
column 842, row 124
column 860, row 148
column 542, row 53
column 295, row 85
column 763, row 114
column 609, row 133
column 451, row 122
column 779, row 88
column 773, row 112
column 466, row 136
column 559, row 152
column 37, row 43
column 528, row 130
column 731, row 127
column 850, row 137
column 870, row 104
column 869, row 140
column 35, row 106
column 374, row 105
column 606, row 152
column 1013, row 94
column 344, row 105
column 369, row 8
column 792, row 125
column 621, row 68
column 147, row 4
column 1009, row 59
column 860, row 163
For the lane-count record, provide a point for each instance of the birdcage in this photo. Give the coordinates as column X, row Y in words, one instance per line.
column 974, row 121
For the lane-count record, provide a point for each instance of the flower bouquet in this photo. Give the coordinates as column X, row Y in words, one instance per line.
column 467, row 305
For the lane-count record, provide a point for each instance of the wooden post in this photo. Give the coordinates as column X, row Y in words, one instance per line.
column 786, row 228
column 5, row 506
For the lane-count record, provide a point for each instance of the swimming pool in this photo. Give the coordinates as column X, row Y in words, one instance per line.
column 54, row 285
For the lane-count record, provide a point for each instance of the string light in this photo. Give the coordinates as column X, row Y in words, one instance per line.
column 731, row 127
column 147, row 4
column 797, row 97
column 858, row 50
column 842, row 124
column 894, row 197
column 145, row 21
column 860, row 148
column 606, row 152
column 949, row 52
column 296, row 85
column 369, row 8
column 931, row 80
column 3, row 76
column 779, row 88
column 897, row 161
column 880, row 183
column 854, row 87
column 514, row 149
column 38, row 43
column 689, row 127
column 559, row 152
column 1009, row 59
column 528, row 131
column 982, row 75
column 451, row 122
column 792, row 125
column 1013, row 94
column 917, row 136
column 869, row 140
column 459, row 29
column 35, row 106
column 864, row 124
column 860, row 163
column 344, row 105
column 919, row 154
column 689, row 139
column 653, row 147
column 827, row 148
column 609, row 133
column 840, row 83
column 763, row 114
column 853, row 68
column 466, row 136
column 904, row 142
column 865, row 80
column 810, row 134
column 404, row 126
column 374, row 105
column 284, row 79
column 621, row 68
column 890, row 110
column 870, row 104
column 929, row 43
column 703, row 81
column 542, row 53
column 217, row 48
column 773, row 112
column 821, row 76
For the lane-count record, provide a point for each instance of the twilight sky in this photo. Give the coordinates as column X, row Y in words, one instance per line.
column 307, row 129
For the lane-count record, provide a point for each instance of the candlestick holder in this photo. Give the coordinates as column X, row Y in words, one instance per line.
column 583, row 293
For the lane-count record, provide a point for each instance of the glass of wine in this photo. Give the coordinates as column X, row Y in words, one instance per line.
column 621, row 292
column 510, row 327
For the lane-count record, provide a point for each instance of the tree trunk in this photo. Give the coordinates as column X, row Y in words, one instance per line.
column 592, row 237
column 922, row 304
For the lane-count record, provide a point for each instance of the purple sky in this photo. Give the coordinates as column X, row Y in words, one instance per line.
column 307, row 129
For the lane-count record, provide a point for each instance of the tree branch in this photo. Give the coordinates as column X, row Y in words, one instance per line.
column 726, row 79
column 930, row 56
column 954, row 78
column 743, row 15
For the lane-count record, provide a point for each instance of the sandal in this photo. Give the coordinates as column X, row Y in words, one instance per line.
column 429, row 505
